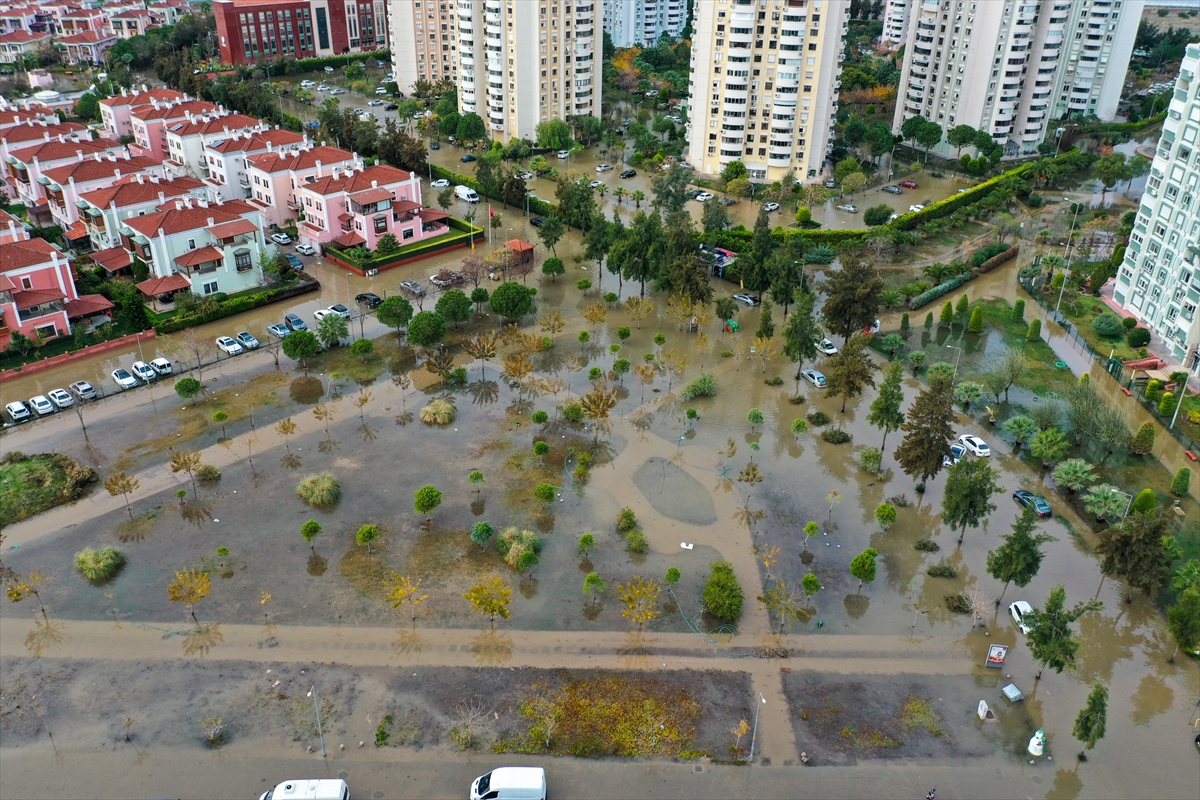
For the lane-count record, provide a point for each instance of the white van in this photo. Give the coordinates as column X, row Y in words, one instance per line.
column 466, row 193
column 327, row 789
column 510, row 783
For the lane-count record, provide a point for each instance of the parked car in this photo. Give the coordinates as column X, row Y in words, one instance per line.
column 294, row 323
column 444, row 280
column 704, row 197
column 435, row 146
column 908, row 184
column 376, row 101
column 564, row 153
column 394, row 107
column 848, row 208
column 975, row 445
column 337, row 91
column 526, row 176
column 294, row 262
column 281, row 238
column 247, row 340
column 893, row 190
column 771, row 207
column 1021, row 612
column 916, row 207
column 830, row 183
column 595, row 184
column 412, row 287
column 957, row 451
column 61, row 398
column 322, row 313
column 440, row 183
column 872, row 329
column 746, row 299
column 144, row 371
column 322, row 88
column 230, row 346
column 537, row 222
column 306, row 250
column 381, row 90
column 369, row 299
column 467, row 158
column 629, row 173
column 510, row 782
column 83, row 390
column 1028, row 498
column 310, row 789
column 727, row 201
column 42, row 405
column 340, row 310
column 278, row 331
column 307, row 84
column 18, row 412
column 827, row 347
column 124, row 378
column 814, row 377
column 162, row 366
column 604, row 167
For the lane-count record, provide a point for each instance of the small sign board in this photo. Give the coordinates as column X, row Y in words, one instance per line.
column 996, row 655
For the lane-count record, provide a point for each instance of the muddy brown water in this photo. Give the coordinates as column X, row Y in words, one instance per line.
column 255, row 513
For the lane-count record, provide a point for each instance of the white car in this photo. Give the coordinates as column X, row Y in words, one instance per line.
column 957, row 451
column 337, row 91
column 247, row 340
column 814, row 377
column 17, row 412
column 61, row 398
column 595, row 184
column 975, row 445
column 307, row 84
column 124, row 378
column 144, row 371
column 41, row 405
column 827, row 347
column 771, row 207
column 873, row 329
column 748, row 300
column 380, row 90
column 83, row 390
column 162, row 366
column 603, row 167
column 375, row 102
column 849, row 208
column 564, row 153
column 322, row 88
column 440, row 183
column 332, row 311
column 340, row 310
column 281, row 238
column 306, row 250
column 916, row 207
column 1020, row 611
column 525, row 176
column 704, row 197
column 229, row 345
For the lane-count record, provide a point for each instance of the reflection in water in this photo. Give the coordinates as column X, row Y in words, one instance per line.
column 404, row 419
column 1067, row 785
column 307, row 391
column 529, row 588
column 492, row 648
column 636, row 650
column 327, row 446
column 45, row 635
column 317, row 565
column 367, row 432
column 290, row 461
column 201, row 639
column 409, row 642
column 196, row 512
column 591, row 611
column 856, row 605
column 137, row 530
column 484, row 393
column 1153, row 697
column 478, row 506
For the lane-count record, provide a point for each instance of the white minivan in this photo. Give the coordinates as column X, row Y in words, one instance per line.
column 466, row 193
column 510, row 783
column 327, row 789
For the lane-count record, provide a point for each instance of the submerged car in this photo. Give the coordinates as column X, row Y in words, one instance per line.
column 771, row 207
column 893, row 190
column 849, row 208
column 369, row 299
column 908, row 184
column 440, row 183
column 746, row 299
column 83, row 390
column 957, row 451
column 162, row 366
column 41, row 405
column 1028, row 498
column 18, row 412
column 975, row 445
column 1021, row 611
column 814, row 377
column 412, row 287
column 827, row 347
column 278, row 330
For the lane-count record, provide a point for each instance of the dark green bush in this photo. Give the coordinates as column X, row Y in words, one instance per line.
column 1108, row 324
column 723, row 595
column 835, row 436
column 817, row 418
column 1138, row 337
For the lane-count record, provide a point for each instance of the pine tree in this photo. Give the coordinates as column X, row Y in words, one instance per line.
column 885, row 409
column 1089, row 725
column 966, row 499
column 1143, row 441
column 1019, row 556
column 766, row 325
column 1050, row 638
column 976, row 324
column 1139, row 552
column 1183, row 620
column 947, row 314
column 928, row 428
column 960, row 311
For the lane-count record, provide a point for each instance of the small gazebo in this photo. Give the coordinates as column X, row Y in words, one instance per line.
column 161, row 291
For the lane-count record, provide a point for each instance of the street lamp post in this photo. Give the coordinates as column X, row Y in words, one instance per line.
column 317, row 707
column 956, row 360
column 754, row 735
column 1066, row 259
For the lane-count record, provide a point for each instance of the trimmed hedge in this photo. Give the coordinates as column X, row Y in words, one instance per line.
column 947, row 286
column 237, row 305
column 412, row 251
column 337, row 61
column 536, row 205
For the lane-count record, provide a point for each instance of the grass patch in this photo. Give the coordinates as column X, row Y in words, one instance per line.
column 1042, row 377
column 319, row 491
column 101, row 565
column 368, row 573
column 31, row 485
column 1081, row 314
column 441, row 554
column 919, row 713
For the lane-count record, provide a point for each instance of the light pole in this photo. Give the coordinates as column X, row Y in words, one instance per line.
column 956, row 360
column 754, row 736
column 1066, row 260
column 317, row 707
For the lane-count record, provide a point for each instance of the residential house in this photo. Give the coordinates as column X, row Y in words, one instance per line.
column 11, row 228
column 27, row 133
column 87, row 48
column 26, row 168
column 28, row 18
column 66, row 184
column 168, row 12
column 116, row 111
column 275, row 176
column 16, row 45
column 104, row 210
column 358, row 207
column 149, row 123
column 80, row 19
column 187, row 140
column 197, row 246
column 37, row 292
column 128, row 24
column 227, row 159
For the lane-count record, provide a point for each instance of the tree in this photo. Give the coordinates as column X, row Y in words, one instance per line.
column 1089, row 725
column 929, row 135
column 885, row 409
column 1143, row 441
column 928, row 430
column 726, row 308
column 406, row 591
column 784, row 602
column 490, row 597
column 723, row 594
column 551, row 232
column 966, row 500
column 387, row 244
column 670, row 188
column 186, row 461
column 852, row 298
column 640, row 598
column 427, row 498
column 190, row 587
column 714, row 217
column 1138, row 551
column 801, row 331
column 1144, row 503
column 365, row 535
column 766, row 326
column 309, row 531
column 425, row 330
column 877, row 215
column 1183, row 620
column 672, row 577
column 362, row 348
column 454, row 305
column 122, row 484
column 1074, row 474
column 1050, row 638
column 187, row 388
column 511, row 300
column 481, row 532
column 394, row 312
column 1104, row 501
column 960, row 136
column 553, row 267
column 1181, row 481
column 976, row 323
column 885, row 515
column 1049, row 445
column 863, row 566
column 301, row 346
column 220, row 418
column 1110, row 170
column 470, row 127
column 330, row 330
column 553, row 134
column 854, row 182
column 1019, row 556
column 586, row 542
column 850, row 370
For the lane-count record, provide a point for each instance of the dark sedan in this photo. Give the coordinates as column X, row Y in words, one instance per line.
column 629, row 173
column 467, row 158
column 537, row 222
column 1027, row 498
column 435, row 146
column 391, row 107
column 369, row 299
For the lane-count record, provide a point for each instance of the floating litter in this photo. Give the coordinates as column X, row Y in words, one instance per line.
column 839, row 545
column 216, row 520
column 827, row 544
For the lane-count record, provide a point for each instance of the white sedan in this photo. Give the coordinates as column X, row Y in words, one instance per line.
column 814, row 377
column 306, row 250
column 603, row 167
column 1021, row 611
column 61, row 398
column 704, row 197
column 975, row 445
column 440, row 183
column 124, row 378
column 41, row 405
column 916, row 207
column 229, row 345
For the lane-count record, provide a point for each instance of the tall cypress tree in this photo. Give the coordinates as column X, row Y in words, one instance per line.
column 885, row 409
column 1019, row 557
column 928, row 429
column 966, row 499
column 1138, row 551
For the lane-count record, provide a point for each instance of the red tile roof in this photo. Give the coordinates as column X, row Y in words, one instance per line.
column 87, row 37
column 129, row 192
column 22, row 37
column 201, row 256
column 178, row 220
column 35, row 297
column 405, row 206
column 112, row 259
column 516, row 245
column 230, row 123
column 372, row 196
column 87, row 305
column 257, row 141
column 36, row 131
column 77, row 230
column 56, row 150
column 143, row 98
column 174, row 112
column 171, row 283
column 350, row 239
column 304, row 160
column 359, row 181
column 92, row 169
column 28, row 253
column 235, row 228
column 432, row 215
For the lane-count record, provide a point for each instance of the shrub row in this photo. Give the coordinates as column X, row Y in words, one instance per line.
column 227, row 308
column 536, row 205
column 1120, row 127
column 412, row 251
column 338, row 61
column 998, row 259
column 947, row 286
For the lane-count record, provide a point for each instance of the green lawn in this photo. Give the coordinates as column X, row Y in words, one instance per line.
column 32, row 485
column 1042, row 377
column 1081, row 314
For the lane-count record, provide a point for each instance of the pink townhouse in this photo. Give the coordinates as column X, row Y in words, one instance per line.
column 358, row 207
column 80, row 20
column 186, row 141
column 22, row 18
column 275, row 177
column 104, row 211
column 87, row 48
column 127, row 24
column 67, row 183
column 37, row 292
column 149, row 123
column 11, row 229
column 228, row 159
column 26, row 168
column 168, row 12
column 115, row 111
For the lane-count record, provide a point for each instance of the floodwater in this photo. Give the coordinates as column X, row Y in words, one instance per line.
column 651, row 459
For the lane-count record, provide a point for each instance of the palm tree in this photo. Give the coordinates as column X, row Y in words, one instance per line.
column 889, row 299
column 638, row 196
column 1104, row 501
column 1074, row 473
column 1044, row 170
column 618, row 193
column 937, row 272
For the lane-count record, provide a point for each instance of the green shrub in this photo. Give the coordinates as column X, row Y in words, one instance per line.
column 1144, row 503
column 626, row 520
column 207, row 473
column 958, row 603
column 636, row 540
column 1128, row 323
column 99, row 565
column 835, row 436
column 1153, row 390
column 1137, row 337
column 723, row 595
column 572, row 412
column 976, row 323
column 1166, row 406
column 1108, row 324
column 1143, row 440
column 319, row 490
column 871, row 460
column 774, row 381
column 1035, row 330
column 539, row 417
column 941, row 570
column 1181, row 481
column 927, row 546
column 822, row 254
column 817, row 418
column 1018, row 311
column 703, row 386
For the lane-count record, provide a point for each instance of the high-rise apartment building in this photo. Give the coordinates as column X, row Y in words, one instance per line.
column 642, row 22
column 764, row 84
column 253, row 30
column 1013, row 67
column 521, row 62
column 425, row 41
column 895, row 22
column 1159, row 279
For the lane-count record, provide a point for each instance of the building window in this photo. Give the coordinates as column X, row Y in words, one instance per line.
column 409, row 233
column 381, row 224
column 210, row 288
column 26, row 282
